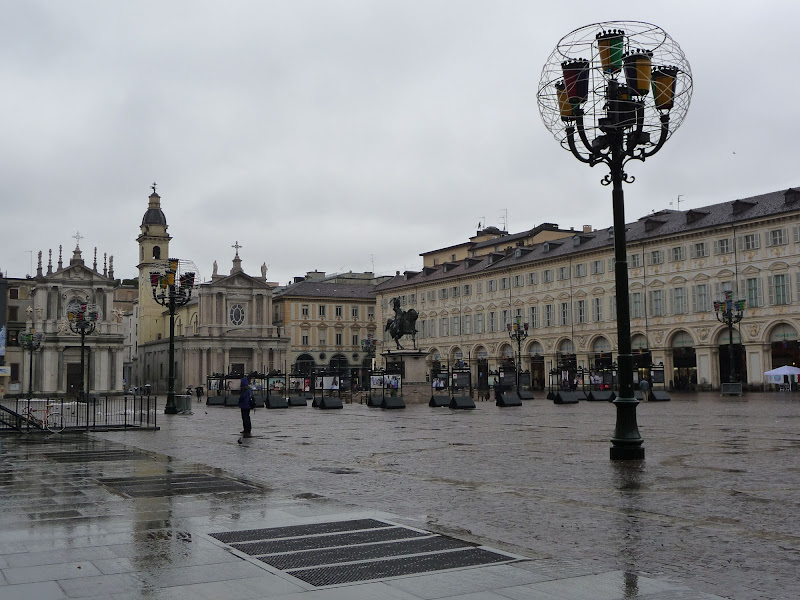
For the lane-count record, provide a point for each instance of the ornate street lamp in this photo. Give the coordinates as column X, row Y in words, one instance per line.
column 368, row 345
column 82, row 318
column 597, row 83
column 171, row 291
column 518, row 331
column 31, row 341
column 730, row 313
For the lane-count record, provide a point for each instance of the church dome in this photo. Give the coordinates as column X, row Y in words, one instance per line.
column 154, row 214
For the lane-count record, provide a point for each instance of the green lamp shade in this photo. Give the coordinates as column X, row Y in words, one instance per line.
column 610, row 44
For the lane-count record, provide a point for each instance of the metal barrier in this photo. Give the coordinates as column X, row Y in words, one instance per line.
column 94, row 413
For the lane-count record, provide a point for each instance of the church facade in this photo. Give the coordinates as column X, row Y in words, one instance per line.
column 225, row 328
column 40, row 304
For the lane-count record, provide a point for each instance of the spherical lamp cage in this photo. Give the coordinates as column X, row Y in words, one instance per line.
column 606, row 47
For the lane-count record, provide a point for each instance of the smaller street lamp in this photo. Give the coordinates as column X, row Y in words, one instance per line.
column 31, row 341
column 368, row 345
column 171, row 293
column 82, row 318
column 730, row 313
column 518, row 331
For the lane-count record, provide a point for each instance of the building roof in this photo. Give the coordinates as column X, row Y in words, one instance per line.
column 663, row 224
column 322, row 289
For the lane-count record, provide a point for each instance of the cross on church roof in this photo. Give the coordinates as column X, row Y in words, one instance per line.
column 78, row 237
column 154, row 187
column 237, row 246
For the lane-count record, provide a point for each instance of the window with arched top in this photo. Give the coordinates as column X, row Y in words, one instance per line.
column 156, row 252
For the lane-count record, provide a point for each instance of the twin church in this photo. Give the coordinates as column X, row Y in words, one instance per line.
column 226, row 327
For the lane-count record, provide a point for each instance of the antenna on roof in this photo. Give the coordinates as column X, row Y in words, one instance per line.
column 481, row 223
column 504, row 219
column 678, row 201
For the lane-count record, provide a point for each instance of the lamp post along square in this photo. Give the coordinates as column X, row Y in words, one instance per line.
column 594, row 97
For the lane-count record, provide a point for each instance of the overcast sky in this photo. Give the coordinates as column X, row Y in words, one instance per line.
column 352, row 135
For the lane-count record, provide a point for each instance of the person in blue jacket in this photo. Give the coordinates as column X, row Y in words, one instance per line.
column 244, row 405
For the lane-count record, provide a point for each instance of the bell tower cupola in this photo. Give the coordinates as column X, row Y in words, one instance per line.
column 153, row 252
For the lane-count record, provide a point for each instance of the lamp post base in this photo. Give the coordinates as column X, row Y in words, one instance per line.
column 627, row 453
column 171, row 408
column 626, row 443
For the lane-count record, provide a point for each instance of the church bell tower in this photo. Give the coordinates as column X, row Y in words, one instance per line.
column 153, row 253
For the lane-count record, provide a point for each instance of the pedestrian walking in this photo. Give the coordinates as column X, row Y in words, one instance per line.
column 644, row 387
column 245, row 405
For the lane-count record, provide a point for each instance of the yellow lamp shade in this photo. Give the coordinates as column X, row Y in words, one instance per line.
column 664, row 82
column 637, row 71
column 173, row 264
column 564, row 105
column 170, row 277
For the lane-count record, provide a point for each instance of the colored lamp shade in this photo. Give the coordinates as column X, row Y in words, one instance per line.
column 664, row 82
column 637, row 71
column 190, row 280
column 170, row 277
column 610, row 45
column 576, row 80
column 154, row 276
column 564, row 105
column 162, row 281
column 173, row 264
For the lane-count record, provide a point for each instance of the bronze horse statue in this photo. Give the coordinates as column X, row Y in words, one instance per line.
column 404, row 322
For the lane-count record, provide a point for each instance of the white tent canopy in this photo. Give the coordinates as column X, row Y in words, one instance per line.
column 777, row 375
column 787, row 370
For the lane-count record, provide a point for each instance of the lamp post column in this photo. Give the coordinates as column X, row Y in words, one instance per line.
column 730, row 313
column 626, row 442
column 171, row 408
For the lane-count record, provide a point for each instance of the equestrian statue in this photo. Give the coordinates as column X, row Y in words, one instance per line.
column 404, row 322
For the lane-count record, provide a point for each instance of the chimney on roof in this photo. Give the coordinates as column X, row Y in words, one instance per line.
column 587, row 229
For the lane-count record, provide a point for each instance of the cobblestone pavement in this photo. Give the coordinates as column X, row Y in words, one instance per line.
column 713, row 506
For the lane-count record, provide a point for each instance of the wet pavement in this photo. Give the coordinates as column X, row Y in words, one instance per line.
column 711, row 512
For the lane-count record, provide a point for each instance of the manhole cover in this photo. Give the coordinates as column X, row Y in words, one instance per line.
column 174, row 484
column 78, row 456
column 341, row 552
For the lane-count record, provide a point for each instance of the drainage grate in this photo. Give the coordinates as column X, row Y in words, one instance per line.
column 276, row 533
column 327, row 541
column 78, row 456
column 332, row 556
column 336, row 553
column 410, row 565
column 174, row 484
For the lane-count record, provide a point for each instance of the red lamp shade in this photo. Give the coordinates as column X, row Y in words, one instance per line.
column 564, row 105
column 576, row 80
column 664, row 82
column 610, row 44
column 154, row 275
column 637, row 70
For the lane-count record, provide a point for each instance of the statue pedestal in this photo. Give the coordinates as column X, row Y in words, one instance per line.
column 416, row 388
